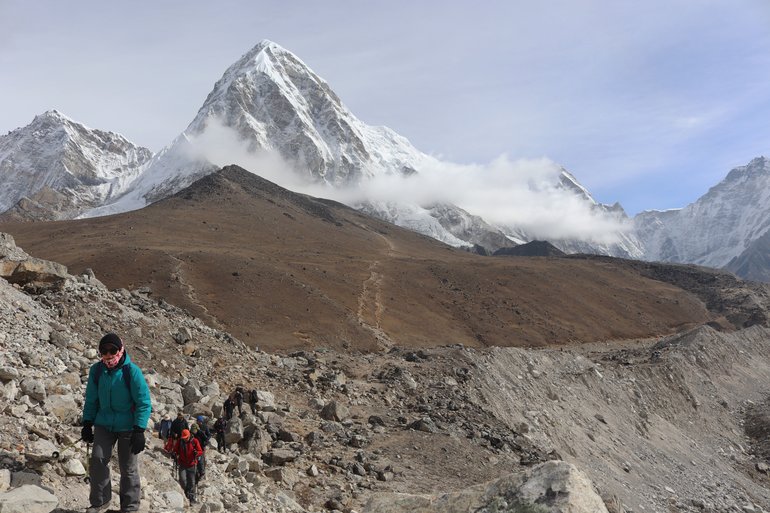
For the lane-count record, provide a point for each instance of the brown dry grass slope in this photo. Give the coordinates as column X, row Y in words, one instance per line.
column 284, row 271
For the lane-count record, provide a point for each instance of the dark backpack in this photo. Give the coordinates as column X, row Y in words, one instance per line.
column 204, row 436
column 253, row 396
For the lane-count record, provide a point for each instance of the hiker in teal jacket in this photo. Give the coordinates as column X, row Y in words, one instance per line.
column 116, row 410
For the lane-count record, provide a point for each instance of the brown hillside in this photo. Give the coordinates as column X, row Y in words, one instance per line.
column 283, row 271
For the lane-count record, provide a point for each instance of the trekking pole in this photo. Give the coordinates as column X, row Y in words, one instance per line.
column 195, row 488
column 55, row 455
column 87, row 479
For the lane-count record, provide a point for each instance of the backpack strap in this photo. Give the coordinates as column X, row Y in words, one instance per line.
column 126, row 370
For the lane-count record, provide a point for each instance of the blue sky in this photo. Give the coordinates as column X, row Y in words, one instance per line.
column 646, row 103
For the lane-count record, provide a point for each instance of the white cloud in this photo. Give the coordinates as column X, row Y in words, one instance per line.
column 521, row 193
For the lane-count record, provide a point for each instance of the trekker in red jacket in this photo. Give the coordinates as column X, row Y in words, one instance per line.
column 187, row 450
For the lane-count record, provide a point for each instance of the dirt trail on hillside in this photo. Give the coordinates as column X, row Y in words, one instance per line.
column 371, row 307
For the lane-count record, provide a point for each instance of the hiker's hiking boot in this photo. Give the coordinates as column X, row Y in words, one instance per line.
column 99, row 509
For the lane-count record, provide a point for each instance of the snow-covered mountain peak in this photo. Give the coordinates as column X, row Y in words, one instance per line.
column 755, row 168
column 269, row 100
column 57, row 153
column 51, row 115
column 718, row 227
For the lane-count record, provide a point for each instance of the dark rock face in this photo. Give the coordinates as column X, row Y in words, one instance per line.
column 534, row 248
column 754, row 263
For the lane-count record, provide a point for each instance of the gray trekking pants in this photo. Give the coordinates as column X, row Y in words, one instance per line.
column 187, row 481
column 99, row 470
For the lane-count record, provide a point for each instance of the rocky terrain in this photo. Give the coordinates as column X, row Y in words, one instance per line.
column 665, row 424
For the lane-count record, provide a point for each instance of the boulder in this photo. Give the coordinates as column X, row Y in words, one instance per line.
column 265, row 401
column 28, row 499
column 40, row 450
column 73, row 467
column 278, row 457
column 174, row 500
column 32, row 270
column 234, row 431
column 63, row 407
column 287, row 476
column 334, row 411
column 191, row 393
column 8, row 373
column 33, row 388
column 23, row 477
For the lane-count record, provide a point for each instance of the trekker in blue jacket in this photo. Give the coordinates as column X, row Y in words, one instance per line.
column 116, row 410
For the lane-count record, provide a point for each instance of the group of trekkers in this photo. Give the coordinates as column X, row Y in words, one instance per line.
column 186, row 443
column 116, row 411
column 235, row 400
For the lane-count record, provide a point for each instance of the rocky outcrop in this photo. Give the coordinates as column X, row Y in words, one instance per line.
column 551, row 487
column 28, row 499
column 19, row 268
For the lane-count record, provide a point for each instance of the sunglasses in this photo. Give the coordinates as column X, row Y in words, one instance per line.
column 109, row 350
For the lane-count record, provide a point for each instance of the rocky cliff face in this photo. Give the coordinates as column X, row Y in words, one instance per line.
column 754, row 262
column 60, row 168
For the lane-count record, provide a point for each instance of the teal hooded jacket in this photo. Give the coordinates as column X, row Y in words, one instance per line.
column 113, row 406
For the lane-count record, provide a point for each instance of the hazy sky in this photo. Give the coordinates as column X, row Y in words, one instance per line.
column 646, row 103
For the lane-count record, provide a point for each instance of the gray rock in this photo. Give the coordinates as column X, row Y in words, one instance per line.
column 73, row 467
column 334, row 411
column 22, row 478
column 8, row 373
column 174, row 500
column 28, row 499
column 40, row 451
column 279, row 456
column 287, row 476
column 191, row 393
column 424, row 424
column 5, row 479
column 63, row 407
column 265, row 401
column 234, row 431
column 33, row 388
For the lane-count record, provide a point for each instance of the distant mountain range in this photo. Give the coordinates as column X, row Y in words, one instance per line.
column 269, row 101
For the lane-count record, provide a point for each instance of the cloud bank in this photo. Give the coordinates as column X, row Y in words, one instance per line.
column 515, row 195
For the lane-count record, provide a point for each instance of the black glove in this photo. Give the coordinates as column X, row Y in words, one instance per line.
column 137, row 440
column 87, row 433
